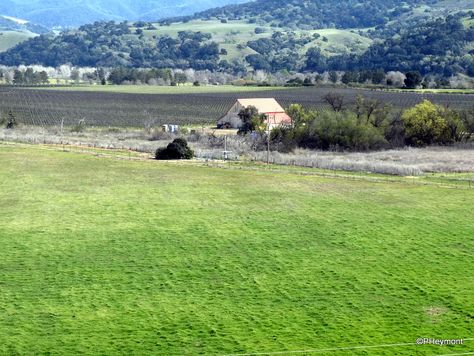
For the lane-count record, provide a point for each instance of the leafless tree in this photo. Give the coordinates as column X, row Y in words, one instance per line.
column 373, row 110
column 336, row 101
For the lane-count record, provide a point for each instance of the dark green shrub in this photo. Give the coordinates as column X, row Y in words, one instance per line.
column 11, row 121
column 283, row 138
column 330, row 131
column 178, row 149
column 413, row 79
column 334, row 131
column 342, row 131
column 79, row 127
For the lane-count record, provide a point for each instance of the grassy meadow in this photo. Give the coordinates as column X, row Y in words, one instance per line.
column 150, row 89
column 210, row 89
column 9, row 39
column 228, row 35
column 433, row 91
column 116, row 256
column 339, row 41
column 233, row 33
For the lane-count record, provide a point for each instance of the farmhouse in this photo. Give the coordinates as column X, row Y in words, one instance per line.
column 276, row 115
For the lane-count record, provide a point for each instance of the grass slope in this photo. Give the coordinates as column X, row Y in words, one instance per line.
column 339, row 41
column 109, row 256
column 9, row 39
column 234, row 33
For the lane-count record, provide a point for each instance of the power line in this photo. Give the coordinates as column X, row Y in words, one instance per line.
column 345, row 348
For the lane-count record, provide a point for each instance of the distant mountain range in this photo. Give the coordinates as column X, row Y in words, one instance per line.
column 71, row 13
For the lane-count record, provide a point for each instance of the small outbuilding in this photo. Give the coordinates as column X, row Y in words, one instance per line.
column 275, row 114
column 170, row 128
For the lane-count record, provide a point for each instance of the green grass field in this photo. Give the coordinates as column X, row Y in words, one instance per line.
column 216, row 28
column 209, row 89
column 434, row 91
column 227, row 35
column 149, row 89
column 112, row 256
column 9, row 39
column 339, row 41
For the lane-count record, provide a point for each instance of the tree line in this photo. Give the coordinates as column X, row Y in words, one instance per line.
column 27, row 77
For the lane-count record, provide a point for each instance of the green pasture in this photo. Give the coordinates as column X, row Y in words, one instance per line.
column 434, row 91
column 216, row 28
column 9, row 39
column 227, row 35
column 339, row 41
column 468, row 22
column 116, row 256
column 149, row 89
column 230, row 35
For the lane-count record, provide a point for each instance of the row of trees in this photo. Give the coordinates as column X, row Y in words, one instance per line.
column 28, row 77
column 150, row 76
column 33, row 75
column 369, row 125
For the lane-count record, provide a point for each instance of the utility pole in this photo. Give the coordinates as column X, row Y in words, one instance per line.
column 62, row 135
column 225, row 148
column 226, row 157
column 268, row 137
column 268, row 142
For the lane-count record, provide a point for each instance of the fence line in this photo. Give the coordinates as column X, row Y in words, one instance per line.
column 450, row 183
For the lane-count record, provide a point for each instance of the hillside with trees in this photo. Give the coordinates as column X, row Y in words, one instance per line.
column 439, row 46
column 300, row 14
column 362, row 36
column 109, row 44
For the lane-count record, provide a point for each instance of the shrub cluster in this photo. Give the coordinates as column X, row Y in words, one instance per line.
column 9, row 121
column 178, row 149
column 331, row 131
column 372, row 125
column 427, row 124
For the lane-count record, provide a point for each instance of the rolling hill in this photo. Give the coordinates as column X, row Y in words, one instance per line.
column 9, row 39
column 14, row 31
column 8, row 23
column 234, row 35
